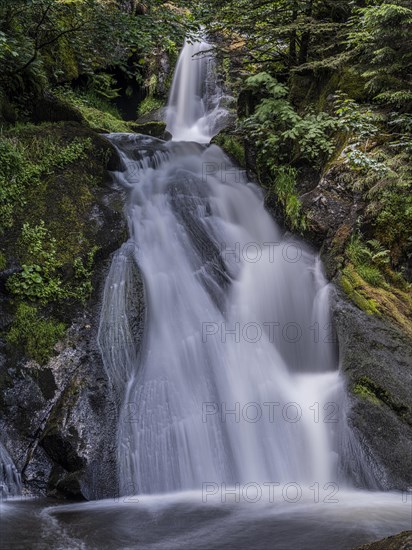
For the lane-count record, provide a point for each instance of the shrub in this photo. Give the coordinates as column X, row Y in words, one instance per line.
column 371, row 275
column 284, row 188
column 282, row 134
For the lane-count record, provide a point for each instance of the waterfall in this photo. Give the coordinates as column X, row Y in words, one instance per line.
column 10, row 480
column 194, row 112
column 236, row 379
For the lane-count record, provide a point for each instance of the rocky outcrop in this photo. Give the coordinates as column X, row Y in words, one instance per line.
column 58, row 421
column 402, row 541
column 329, row 206
column 376, row 360
column 49, row 108
column 150, row 128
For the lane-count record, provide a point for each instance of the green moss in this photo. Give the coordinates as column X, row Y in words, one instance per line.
column 365, row 393
column 33, row 334
column 3, row 261
column 232, row 146
column 148, row 105
column 369, row 390
column 352, row 286
column 59, row 170
column 104, row 121
column 98, row 112
column 391, row 302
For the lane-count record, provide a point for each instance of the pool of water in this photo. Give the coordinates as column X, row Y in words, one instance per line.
column 188, row 521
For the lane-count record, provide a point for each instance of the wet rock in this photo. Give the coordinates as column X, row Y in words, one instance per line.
column 376, row 361
column 157, row 115
column 329, row 205
column 402, row 541
column 59, row 421
column 151, row 128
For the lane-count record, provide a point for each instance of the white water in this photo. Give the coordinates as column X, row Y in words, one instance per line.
column 184, row 227
column 213, row 261
column 10, row 480
column 194, row 112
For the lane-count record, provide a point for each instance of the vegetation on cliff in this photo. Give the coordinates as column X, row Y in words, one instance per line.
column 325, row 93
column 68, row 69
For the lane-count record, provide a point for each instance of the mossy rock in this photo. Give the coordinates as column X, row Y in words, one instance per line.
column 375, row 361
column 233, row 146
column 50, row 108
column 72, row 199
column 390, row 302
column 154, row 128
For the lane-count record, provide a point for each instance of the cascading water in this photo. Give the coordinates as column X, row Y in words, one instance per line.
column 10, row 480
column 194, row 112
column 237, row 377
column 233, row 381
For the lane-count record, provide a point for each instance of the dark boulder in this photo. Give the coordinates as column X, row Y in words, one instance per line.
column 49, row 108
column 376, row 361
column 153, row 128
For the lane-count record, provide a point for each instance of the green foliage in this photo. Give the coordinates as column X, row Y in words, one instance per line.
column 360, row 125
column 81, row 288
column 233, row 146
column 33, row 334
column 103, row 85
column 46, row 42
column 380, row 38
column 282, row 35
column 39, row 280
column 369, row 259
column 389, row 207
column 11, row 189
column 371, row 275
column 284, row 189
column 400, row 125
column 354, row 119
column 281, row 133
column 23, row 167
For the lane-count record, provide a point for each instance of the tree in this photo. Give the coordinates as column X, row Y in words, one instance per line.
column 282, row 35
column 57, row 40
column 380, row 38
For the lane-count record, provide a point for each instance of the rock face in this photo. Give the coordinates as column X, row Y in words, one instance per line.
column 152, row 128
column 376, row 360
column 402, row 541
column 59, row 421
column 329, row 206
